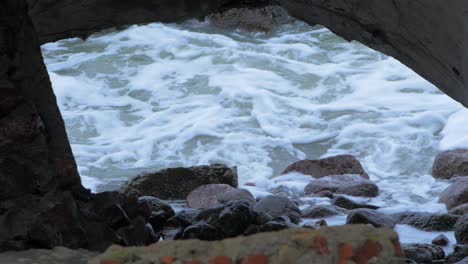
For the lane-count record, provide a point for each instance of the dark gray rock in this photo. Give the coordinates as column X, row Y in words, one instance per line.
column 423, row 253
column 202, row 231
column 459, row 210
column 278, row 206
column 319, row 211
column 177, row 183
column 160, row 211
column 349, row 184
column 460, row 252
column 450, row 164
column 346, row 203
column 461, row 230
column 214, row 194
column 231, row 218
column 427, row 221
column 440, row 240
column 259, row 19
column 176, row 224
column 337, row 165
column 368, row 216
column 456, row 194
column 463, row 261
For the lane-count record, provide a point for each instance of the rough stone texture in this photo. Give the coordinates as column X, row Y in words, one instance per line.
column 337, row 165
column 459, row 210
column 57, row 255
column 214, row 194
column 440, row 240
column 278, row 206
column 346, row 203
column 427, row 221
column 260, row 19
column 357, row 243
column 349, row 184
column 459, row 253
column 451, row 163
column 368, row 216
column 177, row 183
column 423, row 253
column 456, row 194
column 461, row 230
column 319, row 211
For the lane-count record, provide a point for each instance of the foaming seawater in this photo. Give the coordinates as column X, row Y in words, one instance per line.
column 164, row 95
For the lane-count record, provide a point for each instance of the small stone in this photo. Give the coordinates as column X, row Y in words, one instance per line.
column 279, row 206
column 346, row 203
column 319, row 211
column 368, row 216
column 441, row 240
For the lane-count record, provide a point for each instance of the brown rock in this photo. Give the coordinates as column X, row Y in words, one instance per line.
column 177, row 183
column 349, row 184
column 451, row 163
column 456, row 194
column 368, row 216
column 214, row 194
column 337, row 165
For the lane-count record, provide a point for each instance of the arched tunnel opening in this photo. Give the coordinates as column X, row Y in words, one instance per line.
column 162, row 95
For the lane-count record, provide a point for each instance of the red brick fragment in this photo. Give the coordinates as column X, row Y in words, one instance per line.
column 166, row 260
column 369, row 250
column 108, row 261
column 255, row 259
column 221, row 260
column 346, row 252
column 321, row 245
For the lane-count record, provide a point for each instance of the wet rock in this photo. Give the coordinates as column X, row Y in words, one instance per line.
column 176, row 224
column 346, row 203
column 319, row 211
column 259, row 19
column 349, row 184
column 461, row 230
column 137, row 233
column 450, row 164
column 456, row 194
column 177, row 183
column 231, row 218
column 262, row 218
column 463, row 261
column 214, row 194
column 274, row 225
column 427, row 221
column 202, row 231
column 325, row 193
column 160, row 211
column 459, row 210
column 278, row 206
column 286, row 191
column 441, row 240
column 337, row 165
column 460, row 252
column 368, row 216
column 423, row 253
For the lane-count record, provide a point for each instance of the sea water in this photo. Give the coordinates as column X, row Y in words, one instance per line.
column 163, row 95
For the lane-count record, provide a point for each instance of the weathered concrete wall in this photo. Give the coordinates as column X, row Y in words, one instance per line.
column 357, row 243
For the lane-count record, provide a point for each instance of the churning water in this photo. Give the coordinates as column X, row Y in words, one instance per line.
column 164, row 95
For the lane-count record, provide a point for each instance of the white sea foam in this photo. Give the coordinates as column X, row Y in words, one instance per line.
column 160, row 95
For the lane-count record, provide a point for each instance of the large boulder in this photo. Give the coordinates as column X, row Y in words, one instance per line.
column 278, row 206
column 459, row 210
column 456, row 194
column 427, row 221
column 349, row 184
column 451, row 163
column 350, row 244
column 214, row 194
column 369, row 216
column 177, row 183
column 337, row 165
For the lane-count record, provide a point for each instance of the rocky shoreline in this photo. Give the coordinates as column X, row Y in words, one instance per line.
column 44, row 205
